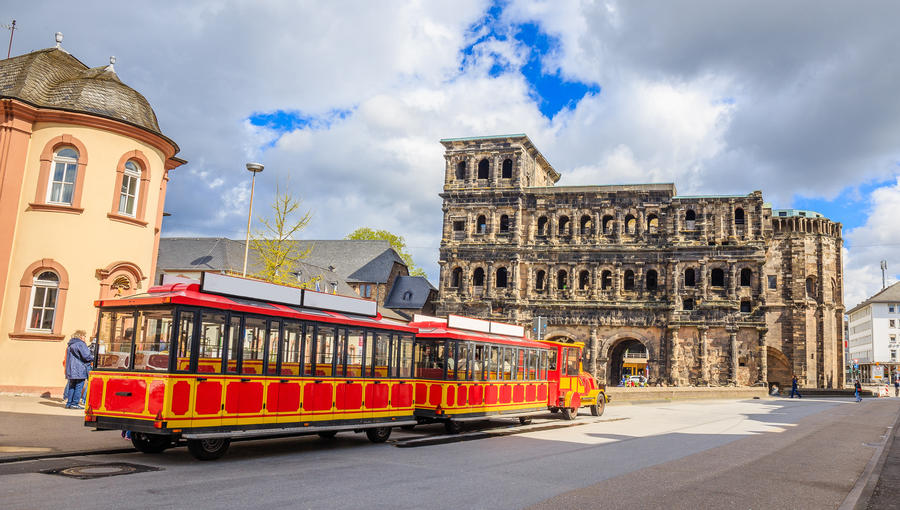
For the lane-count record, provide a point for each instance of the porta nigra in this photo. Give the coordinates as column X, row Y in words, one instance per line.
column 686, row 290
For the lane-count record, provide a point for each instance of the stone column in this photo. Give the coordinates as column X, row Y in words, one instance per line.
column 673, row 362
column 704, row 279
column 733, row 284
column 732, row 335
column 704, row 355
column 763, row 360
column 594, row 351
column 489, row 280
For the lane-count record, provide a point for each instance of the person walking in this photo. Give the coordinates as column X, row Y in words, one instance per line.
column 858, row 391
column 78, row 356
column 897, row 385
column 794, row 390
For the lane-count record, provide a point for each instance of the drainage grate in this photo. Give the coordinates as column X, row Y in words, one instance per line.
column 89, row 471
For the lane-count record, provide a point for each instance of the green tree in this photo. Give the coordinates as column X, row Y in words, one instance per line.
column 397, row 243
column 275, row 245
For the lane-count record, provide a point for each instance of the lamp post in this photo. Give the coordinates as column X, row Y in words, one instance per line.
column 254, row 168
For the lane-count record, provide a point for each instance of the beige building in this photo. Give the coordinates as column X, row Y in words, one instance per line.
column 83, row 173
column 685, row 290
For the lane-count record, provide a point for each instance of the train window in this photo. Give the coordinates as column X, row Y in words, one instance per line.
column 324, row 350
column 152, row 340
column 254, row 345
column 429, row 360
column 382, row 355
column 572, row 361
column 355, row 343
column 340, row 352
column 115, row 340
column 309, row 350
column 551, row 357
column 462, row 364
column 274, row 342
column 395, row 357
column 369, row 354
column 543, row 365
column 234, row 345
column 532, row 364
column 522, row 368
column 212, row 341
column 450, row 353
column 493, row 363
column 406, row 356
column 478, row 367
column 508, row 362
column 290, row 348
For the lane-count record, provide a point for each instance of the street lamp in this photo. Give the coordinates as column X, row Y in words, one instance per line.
column 254, row 168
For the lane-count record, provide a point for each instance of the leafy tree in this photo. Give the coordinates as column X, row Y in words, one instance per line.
column 397, row 243
column 278, row 252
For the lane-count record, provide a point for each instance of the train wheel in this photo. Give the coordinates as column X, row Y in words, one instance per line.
column 452, row 427
column 208, row 449
column 525, row 420
column 328, row 434
column 569, row 413
column 378, row 434
column 408, row 427
column 150, row 443
column 554, row 410
column 598, row 408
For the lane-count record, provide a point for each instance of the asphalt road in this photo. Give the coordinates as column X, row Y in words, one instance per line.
column 782, row 453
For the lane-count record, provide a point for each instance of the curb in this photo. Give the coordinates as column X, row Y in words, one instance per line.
column 57, row 455
column 859, row 496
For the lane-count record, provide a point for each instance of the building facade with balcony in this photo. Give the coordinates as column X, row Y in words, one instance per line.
column 83, row 174
column 717, row 290
column 873, row 336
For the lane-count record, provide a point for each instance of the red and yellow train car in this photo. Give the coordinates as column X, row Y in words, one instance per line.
column 231, row 357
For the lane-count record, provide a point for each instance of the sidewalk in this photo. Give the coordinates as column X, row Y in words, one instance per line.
column 33, row 427
column 886, row 493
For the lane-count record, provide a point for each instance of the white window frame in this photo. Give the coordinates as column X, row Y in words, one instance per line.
column 131, row 175
column 67, row 162
column 43, row 309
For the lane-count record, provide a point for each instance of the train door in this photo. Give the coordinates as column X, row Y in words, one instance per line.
column 318, row 394
column 378, row 389
column 244, row 395
column 283, row 397
column 209, row 391
column 348, row 402
column 402, row 388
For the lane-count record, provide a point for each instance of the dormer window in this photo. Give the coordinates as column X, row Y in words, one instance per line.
column 63, row 176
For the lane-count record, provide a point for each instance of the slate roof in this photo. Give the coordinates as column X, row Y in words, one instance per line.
column 888, row 295
column 409, row 292
column 354, row 260
column 52, row 78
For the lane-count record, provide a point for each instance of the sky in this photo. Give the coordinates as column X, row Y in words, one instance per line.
column 345, row 103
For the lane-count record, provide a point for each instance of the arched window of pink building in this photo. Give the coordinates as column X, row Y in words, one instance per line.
column 63, row 177
column 44, row 294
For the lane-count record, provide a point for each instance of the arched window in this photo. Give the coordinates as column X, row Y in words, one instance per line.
column 481, row 225
column 717, row 278
column 584, row 280
column 478, row 277
column 131, row 181
column 501, row 278
column 539, row 280
column 507, row 169
column 690, row 278
column 630, row 224
column 687, row 304
column 461, row 170
column 738, row 216
column 746, row 276
column 61, row 187
column 563, row 225
column 504, row 223
column 745, row 306
column 562, row 279
column 586, row 226
column 690, row 215
column 44, row 292
column 484, row 169
column 456, row 277
column 607, row 225
column 606, row 280
column 629, row 280
column 651, row 279
column 652, row 224
column 811, row 287
column 542, row 226
column 407, row 296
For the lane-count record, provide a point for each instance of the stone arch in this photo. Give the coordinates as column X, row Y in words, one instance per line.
column 111, row 279
column 778, row 368
column 614, row 350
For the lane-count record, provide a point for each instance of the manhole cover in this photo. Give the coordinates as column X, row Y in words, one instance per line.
column 87, row 471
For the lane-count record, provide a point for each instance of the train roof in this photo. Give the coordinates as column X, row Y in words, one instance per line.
column 191, row 294
column 439, row 330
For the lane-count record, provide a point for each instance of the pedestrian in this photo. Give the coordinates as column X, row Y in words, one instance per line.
column 858, row 391
column 897, row 386
column 794, row 390
column 66, row 390
column 78, row 356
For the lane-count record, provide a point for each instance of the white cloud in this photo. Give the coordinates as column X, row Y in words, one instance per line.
column 878, row 239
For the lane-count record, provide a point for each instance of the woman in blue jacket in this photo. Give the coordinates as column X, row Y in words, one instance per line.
column 78, row 359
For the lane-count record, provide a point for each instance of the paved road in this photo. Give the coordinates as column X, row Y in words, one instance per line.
column 750, row 454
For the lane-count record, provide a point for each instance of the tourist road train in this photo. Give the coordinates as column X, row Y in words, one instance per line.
column 204, row 363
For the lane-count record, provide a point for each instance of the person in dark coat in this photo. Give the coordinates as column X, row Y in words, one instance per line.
column 78, row 359
column 794, row 390
column 858, row 391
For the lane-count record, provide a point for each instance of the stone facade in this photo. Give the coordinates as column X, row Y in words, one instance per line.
column 703, row 290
